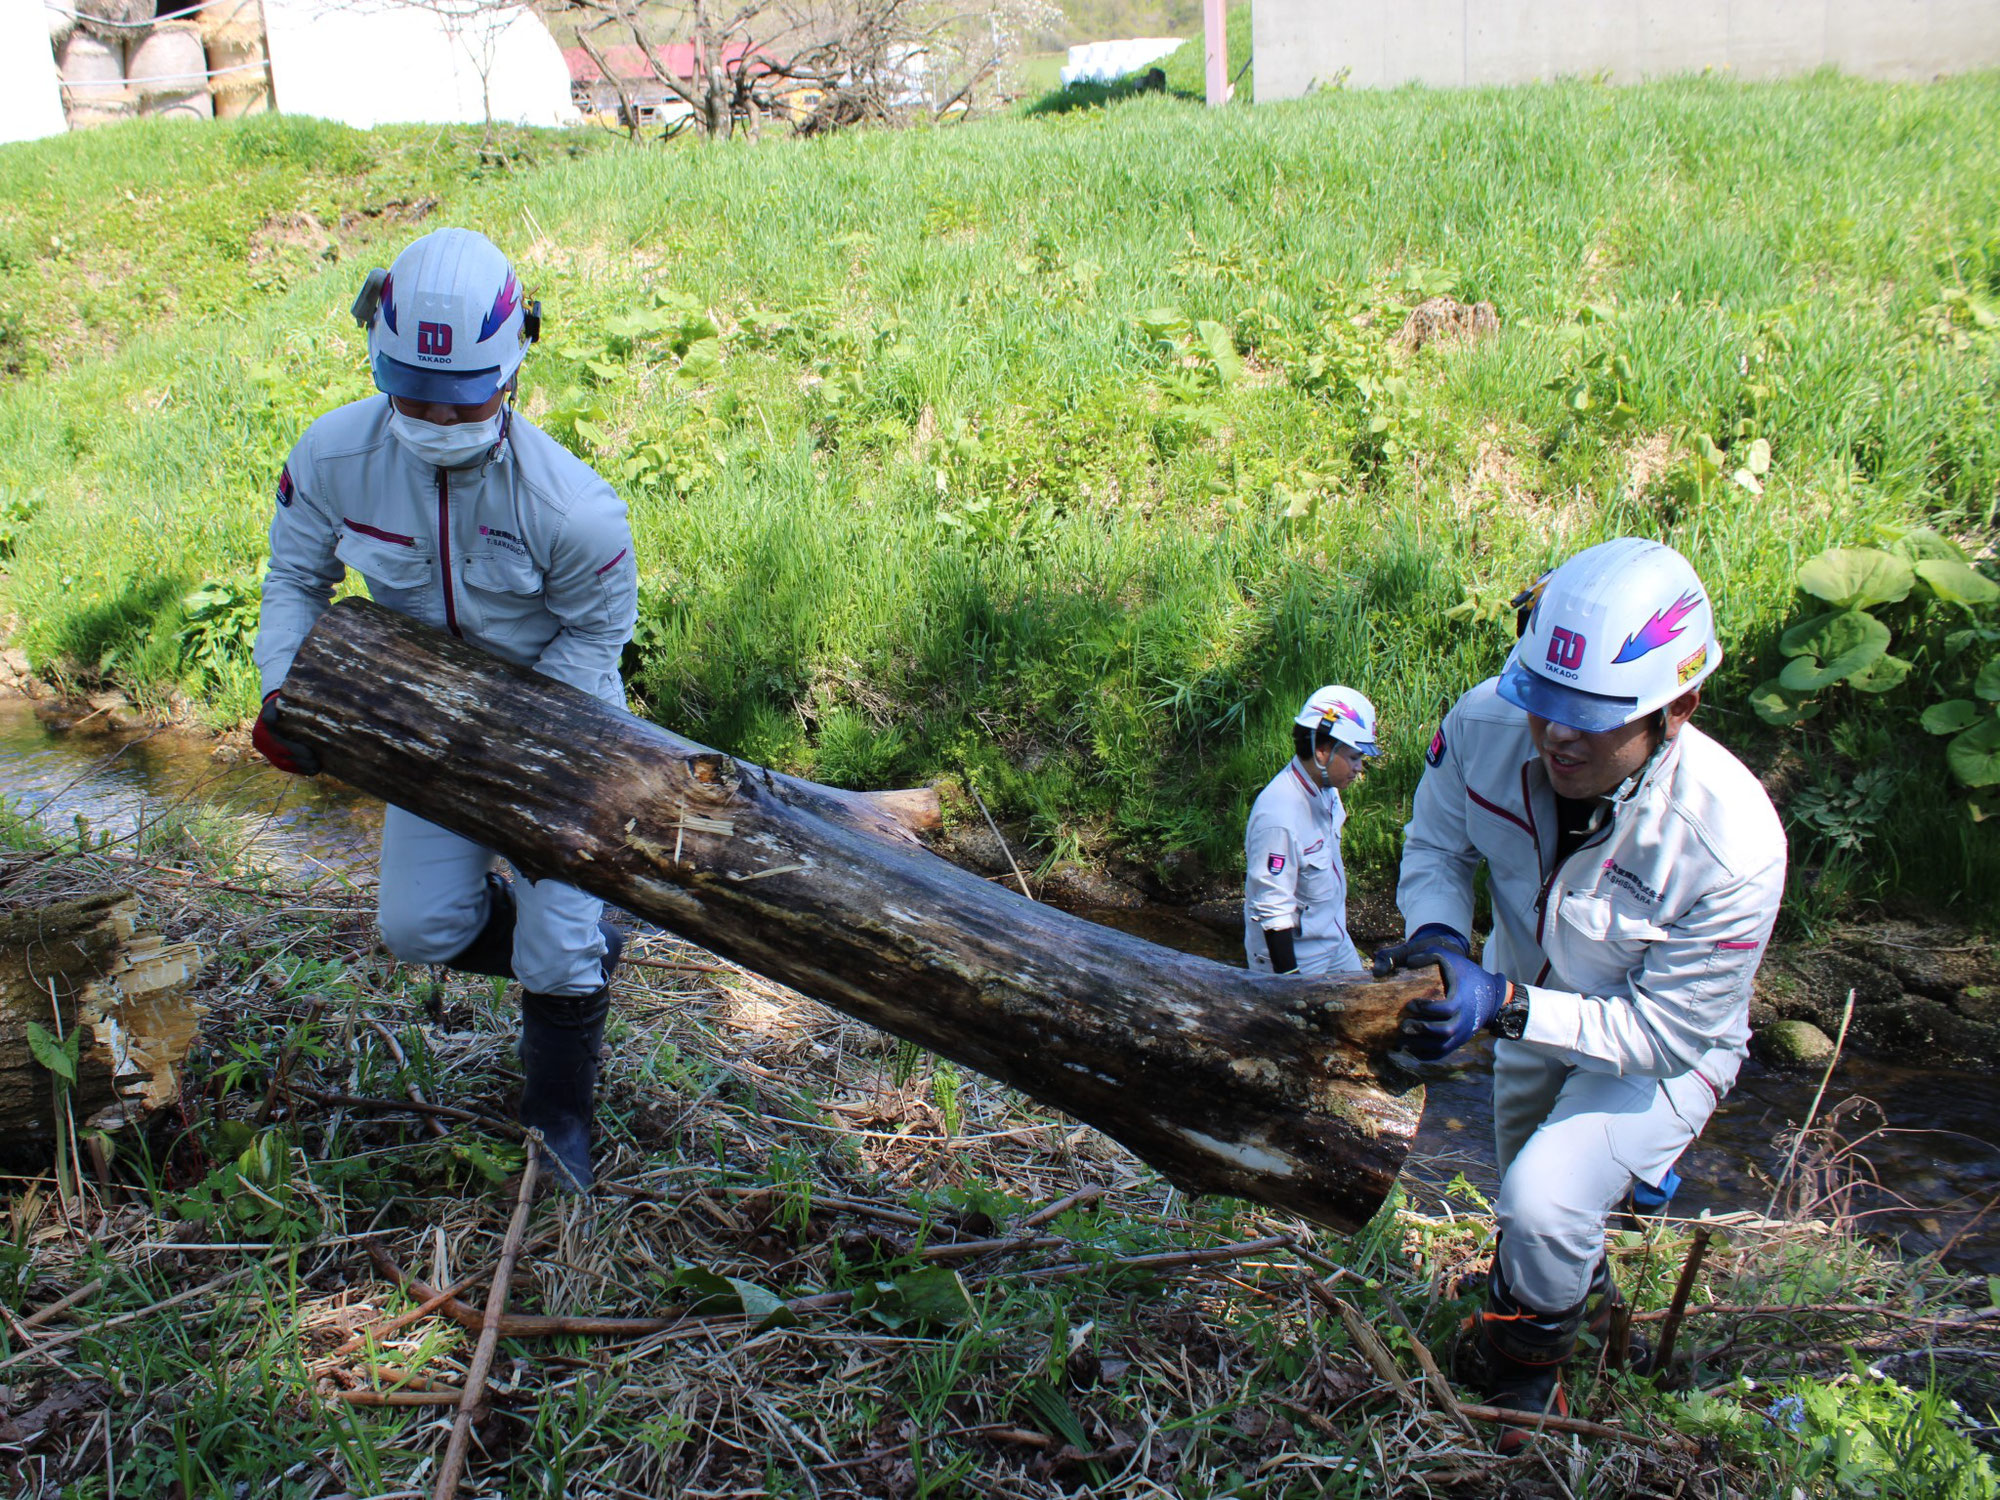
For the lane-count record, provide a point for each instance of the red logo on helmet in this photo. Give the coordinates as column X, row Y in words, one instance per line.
column 434, row 340
column 1565, row 649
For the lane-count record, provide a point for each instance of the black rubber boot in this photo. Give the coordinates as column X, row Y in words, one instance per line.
column 1603, row 1301
column 1514, row 1356
column 492, row 951
column 560, row 1038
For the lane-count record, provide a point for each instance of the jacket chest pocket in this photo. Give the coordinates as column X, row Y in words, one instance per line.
column 392, row 569
column 1601, row 941
column 497, row 571
column 1319, row 881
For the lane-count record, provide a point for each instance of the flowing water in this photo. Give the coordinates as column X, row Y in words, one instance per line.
column 1937, row 1158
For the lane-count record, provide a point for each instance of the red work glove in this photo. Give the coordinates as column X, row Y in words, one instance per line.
column 286, row 755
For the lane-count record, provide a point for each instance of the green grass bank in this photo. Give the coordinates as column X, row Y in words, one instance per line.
column 1071, row 450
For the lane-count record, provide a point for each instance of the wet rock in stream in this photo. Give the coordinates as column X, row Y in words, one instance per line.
column 1928, row 995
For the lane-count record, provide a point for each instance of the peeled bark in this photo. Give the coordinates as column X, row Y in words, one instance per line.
column 1267, row 1087
column 80, row 964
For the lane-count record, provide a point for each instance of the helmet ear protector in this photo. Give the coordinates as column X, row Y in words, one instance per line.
column 369, row 301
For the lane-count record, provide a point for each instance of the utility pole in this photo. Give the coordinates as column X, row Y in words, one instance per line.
column 1216, row 34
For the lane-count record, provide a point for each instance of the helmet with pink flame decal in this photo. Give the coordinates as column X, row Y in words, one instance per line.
column 446, row 322
column 1616, row 633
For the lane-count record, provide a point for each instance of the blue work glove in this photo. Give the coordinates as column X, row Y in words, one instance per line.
column 1436, row 1028
column 1429, row 938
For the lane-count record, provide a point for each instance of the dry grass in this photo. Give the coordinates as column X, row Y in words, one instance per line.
column 750, row 1133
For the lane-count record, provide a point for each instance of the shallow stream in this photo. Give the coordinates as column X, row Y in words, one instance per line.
column 1937, row 1160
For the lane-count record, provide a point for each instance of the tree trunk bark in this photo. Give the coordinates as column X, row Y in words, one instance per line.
column 1267, row 1087
column 78, row 964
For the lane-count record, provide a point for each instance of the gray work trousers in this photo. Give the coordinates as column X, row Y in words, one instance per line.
column 432, row 902
column 1571, row 1142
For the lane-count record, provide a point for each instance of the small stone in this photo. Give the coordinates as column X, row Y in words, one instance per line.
column 1980, row 1002
column 1793, row 1044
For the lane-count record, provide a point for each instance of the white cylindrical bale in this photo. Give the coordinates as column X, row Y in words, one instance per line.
column 239, row 22
column 168, row 71
column 93, row 80
column 238, row 79
column 117, row 17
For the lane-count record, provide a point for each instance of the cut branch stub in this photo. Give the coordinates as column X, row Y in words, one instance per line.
column 1267, row 1087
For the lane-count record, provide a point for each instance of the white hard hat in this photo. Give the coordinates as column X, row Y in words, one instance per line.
column 1616, row 633
column 1345, row 714
column 446, row 322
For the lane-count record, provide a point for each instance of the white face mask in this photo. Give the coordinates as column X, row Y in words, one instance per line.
column 451, row 447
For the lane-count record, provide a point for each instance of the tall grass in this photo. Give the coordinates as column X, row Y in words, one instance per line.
column 938, row 495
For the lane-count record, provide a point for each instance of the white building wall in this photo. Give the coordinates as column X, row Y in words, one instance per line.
column 30, row 92
column 379, row 62
column 1305, row 44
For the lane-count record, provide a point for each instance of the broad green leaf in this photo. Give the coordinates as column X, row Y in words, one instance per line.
column 50, row 1053
column 1220, row 345
column 1758, row 460
column 1956, row 582
column 1856, row 577
column 1166, row 324
column 1952, row 715
column 1708, row 457
column 1830, row 648
column 932, row 1297
column 1774, row 705
column 1974, row 756
column 1960, row 641
column 1987, row 684
column 1879, row 676
column 1748, row 481
column 713, row 1293
column 1920, row 542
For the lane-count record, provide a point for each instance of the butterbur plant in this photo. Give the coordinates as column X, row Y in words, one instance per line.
column 1911, row 624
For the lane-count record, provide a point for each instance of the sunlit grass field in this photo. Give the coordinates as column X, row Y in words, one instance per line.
column 1069, row 451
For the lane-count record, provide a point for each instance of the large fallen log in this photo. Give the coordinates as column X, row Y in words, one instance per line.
column 1267, row 1087
column 73, row 965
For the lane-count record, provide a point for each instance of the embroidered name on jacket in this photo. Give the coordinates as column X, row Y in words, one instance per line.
column 504, row 539
column 1625, row 880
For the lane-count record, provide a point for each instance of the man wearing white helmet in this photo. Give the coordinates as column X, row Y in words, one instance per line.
column 458, row 512
column 1294, row 886
column 1635, row 869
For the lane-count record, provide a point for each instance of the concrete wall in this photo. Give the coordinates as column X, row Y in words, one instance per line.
column 1303, row 44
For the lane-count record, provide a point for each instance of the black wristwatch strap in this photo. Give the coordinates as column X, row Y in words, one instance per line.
column 1511, row 1019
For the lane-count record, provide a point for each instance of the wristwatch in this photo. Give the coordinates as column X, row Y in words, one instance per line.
column 1511, row 1019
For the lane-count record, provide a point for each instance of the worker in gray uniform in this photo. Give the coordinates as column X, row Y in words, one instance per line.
column 458, row 512
column 1635, row 869
column 1294, row 885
